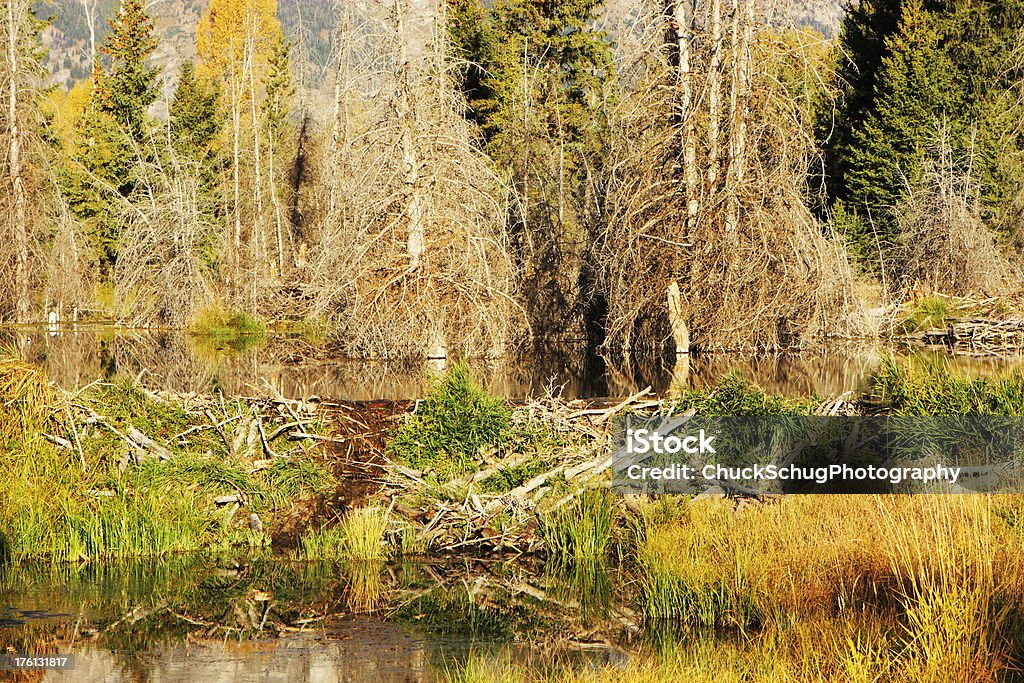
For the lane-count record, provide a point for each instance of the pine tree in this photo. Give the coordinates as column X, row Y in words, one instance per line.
column 195, row 116
column 542, row 107
column 915, row 92
column 97, row 171
column 132, row 84
column 917, row 67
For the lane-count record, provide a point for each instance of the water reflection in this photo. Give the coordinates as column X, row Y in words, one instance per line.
column 264, row 618
column 296, row 368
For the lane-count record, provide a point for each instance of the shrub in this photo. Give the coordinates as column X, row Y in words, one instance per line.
column 451, row 425
column 737, row 395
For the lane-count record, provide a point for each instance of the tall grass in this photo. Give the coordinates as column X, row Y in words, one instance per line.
column 936, row 388
column 580, row 532
column 226, row 328
column 359, row 537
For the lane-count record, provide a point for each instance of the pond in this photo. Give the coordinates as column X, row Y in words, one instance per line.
column 295, row 368
column 271, row 619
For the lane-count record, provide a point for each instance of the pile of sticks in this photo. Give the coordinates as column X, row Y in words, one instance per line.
column 459, row 514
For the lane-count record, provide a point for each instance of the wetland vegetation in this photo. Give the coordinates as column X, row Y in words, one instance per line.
column 481, row 529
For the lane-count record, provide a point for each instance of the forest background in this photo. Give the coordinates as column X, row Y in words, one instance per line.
column 488, row 177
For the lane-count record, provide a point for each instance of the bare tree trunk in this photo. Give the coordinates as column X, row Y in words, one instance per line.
column 236, row 162
column 21, row 288
column 732, row 205
column 259, row 237
column 89, row 7
column 677, row 318
column 684, row 36
column 342, row 41
column 746, row 86
column 714, row 94
column 415, row 246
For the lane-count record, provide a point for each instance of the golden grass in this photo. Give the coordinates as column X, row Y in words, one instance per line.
column 26, row 397
column 817, row 588
column 359, row 537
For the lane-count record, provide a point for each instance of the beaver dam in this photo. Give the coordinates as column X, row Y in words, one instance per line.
column 462, row 536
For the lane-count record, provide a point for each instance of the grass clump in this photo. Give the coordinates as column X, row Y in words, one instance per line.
column 736, row 395
column 359, row 537
column 26, row 398
column 226, row 328
column 451, row 426
column 580, row 532
column 928, row 313
column 936, row 388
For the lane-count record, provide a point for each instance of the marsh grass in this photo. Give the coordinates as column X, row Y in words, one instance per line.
column 229, row 329
column 922, row 589
column 934, row 387
column 358, row 537
column 454, row 422
column 26, row 398
column 928, row 313
column 580, row 532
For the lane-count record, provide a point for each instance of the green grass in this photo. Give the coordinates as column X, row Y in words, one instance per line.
column 452, row 425
column 929, row 312
column 580, row 532
column 224, row 328
column 359, row 537
column 936, row 388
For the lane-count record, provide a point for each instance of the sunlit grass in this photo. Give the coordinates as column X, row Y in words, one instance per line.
column 359, row 537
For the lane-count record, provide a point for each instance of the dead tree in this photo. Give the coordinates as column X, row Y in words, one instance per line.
column 16, row 25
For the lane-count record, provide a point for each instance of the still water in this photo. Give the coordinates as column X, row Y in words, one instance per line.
column 295, row 368
column 271, row 619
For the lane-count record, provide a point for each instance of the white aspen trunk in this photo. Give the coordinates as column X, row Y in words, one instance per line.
column 21, row 288
column 276, row 202
column 340, row 124
column 90, row 17
column 715, row 95
column 236, row 142
column 415, row 243
column 745, row 88
column 259, row 237
column 691, row 176
column 732, row 204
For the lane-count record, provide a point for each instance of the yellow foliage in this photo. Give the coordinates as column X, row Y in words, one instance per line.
column 230, row 31
column 67, row 109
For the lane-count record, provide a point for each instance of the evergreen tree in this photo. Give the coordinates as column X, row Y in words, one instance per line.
column 539, row 90
column 279, row 89
column 97, row 170
column 915, row 92
column 195, row 116
column 915, row 68
column 132, row 84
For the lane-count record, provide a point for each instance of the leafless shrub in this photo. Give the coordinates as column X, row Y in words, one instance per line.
column 166, row 247
column 754, row 268
column 944, row 245
column 412, row 253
